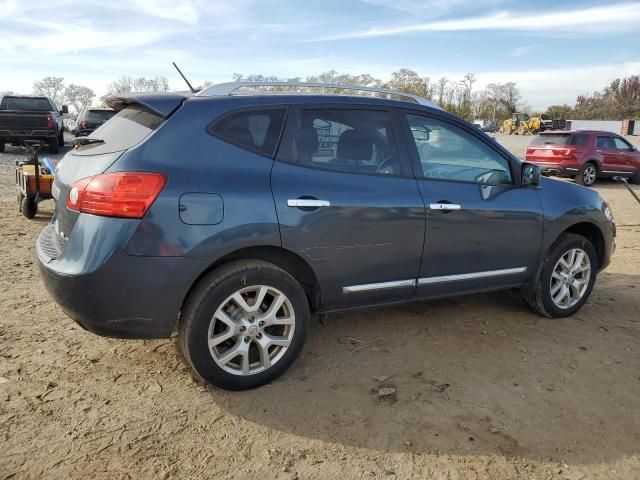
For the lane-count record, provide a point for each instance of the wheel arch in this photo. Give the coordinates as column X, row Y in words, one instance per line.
column 289, row 261
column 591, row 232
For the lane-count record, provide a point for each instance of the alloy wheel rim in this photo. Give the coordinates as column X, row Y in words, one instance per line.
column 251, row 330
column 570, row 278
column 589, row 175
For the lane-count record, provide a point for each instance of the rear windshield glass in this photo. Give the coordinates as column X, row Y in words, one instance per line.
column 32, row 104
column 99, row 115
column 125, row 130
column 556, row 139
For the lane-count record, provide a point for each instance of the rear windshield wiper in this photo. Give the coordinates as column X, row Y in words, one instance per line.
column 78, row 142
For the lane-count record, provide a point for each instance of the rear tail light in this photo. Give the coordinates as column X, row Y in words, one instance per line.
column 530, row 151
column 118, row 194
column 49, row 121
column 84, row 124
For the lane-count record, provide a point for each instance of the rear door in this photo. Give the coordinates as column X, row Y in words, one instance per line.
column 484, row 231
column 348, row 204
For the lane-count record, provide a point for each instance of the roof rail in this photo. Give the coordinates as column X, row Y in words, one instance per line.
column 224, row 89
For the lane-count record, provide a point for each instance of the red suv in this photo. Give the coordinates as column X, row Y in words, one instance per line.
column 585, row 155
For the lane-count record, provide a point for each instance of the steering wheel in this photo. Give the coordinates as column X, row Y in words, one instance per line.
column 386, row 166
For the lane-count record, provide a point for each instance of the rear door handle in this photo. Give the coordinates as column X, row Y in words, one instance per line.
column 444, row 206
column 308, row 202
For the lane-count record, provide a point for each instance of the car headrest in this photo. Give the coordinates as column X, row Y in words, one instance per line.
column 356, row 144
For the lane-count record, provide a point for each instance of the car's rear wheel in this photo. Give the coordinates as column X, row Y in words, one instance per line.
column 1, row 147
column 635, row 178
column 587, row 174
column 243, row 325
column 29, row 207
column 61, row 138
column 567, row 277
column 54, row 146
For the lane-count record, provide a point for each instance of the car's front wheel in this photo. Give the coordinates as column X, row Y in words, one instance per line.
column 567, row 277
column 243, row 325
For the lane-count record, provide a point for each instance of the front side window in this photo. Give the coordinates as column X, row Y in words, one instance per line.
column 621, row 144
column 355, row 141
column 449, row 153
column 255, row 130
column 605, row 142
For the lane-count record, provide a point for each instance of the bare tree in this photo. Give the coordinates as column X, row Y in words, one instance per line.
column 7, row 92
column 125, row 85
column 78, row 97
column 52, row 87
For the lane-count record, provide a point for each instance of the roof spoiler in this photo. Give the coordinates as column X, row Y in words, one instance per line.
column 163, row 104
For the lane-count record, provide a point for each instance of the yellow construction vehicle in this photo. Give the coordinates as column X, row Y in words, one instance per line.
column 522, row 124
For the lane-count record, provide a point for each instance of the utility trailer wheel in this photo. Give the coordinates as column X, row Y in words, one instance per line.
column 29, row 207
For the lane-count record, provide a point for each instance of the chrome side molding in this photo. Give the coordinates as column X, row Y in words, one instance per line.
column 378, row 286
column 470, row 276
column 432, row 280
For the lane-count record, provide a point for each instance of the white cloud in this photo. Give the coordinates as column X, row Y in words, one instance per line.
column 622, row 16
column 183, row 11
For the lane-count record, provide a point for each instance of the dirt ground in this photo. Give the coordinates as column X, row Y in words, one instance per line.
column 485, row 389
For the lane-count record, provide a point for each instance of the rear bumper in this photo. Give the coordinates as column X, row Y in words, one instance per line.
column 557, row 169
column 18, row 136
column 114, row 294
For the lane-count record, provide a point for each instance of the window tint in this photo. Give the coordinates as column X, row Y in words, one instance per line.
column 33, row 104
column 125, row 129
column 621, row 144
column 255, row 130
column 605, row 142
column 357, row 141
column 579, row 140
column 448, row 152
column 98, row 115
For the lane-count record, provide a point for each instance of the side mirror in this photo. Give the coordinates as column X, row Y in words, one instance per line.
column 64, row 109
column 530, row 174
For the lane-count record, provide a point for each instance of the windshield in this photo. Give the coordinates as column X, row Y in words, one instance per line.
column 32, row 104
column 125, row 129
column 99, row 115
column 555, row 139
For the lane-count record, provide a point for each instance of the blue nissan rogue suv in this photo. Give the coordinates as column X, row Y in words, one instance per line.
column 234, row 214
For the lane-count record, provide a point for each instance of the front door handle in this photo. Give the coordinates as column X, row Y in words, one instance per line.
column 447, row 207
column 308, row 202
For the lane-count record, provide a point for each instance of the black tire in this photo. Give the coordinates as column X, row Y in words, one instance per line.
column 635, row 178
column 1, row 147
column 210, row 293
column 29, row 207
column 587, row 174
column 20, row 198
column 541, row 301
column 61, row 138
column 54, row 146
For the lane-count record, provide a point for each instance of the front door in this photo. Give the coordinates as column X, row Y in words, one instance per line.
column 484, row 231
column 348, row 205
column 606, row 147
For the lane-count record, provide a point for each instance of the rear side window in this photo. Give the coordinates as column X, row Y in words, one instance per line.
column 344, row 140
column 578, row 140
column 550, row 140
column 126, row 129
column 255, row 130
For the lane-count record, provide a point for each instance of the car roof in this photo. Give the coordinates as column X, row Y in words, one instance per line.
column 569, row 132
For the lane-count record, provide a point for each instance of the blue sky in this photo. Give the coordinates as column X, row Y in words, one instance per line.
column 553, row 50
